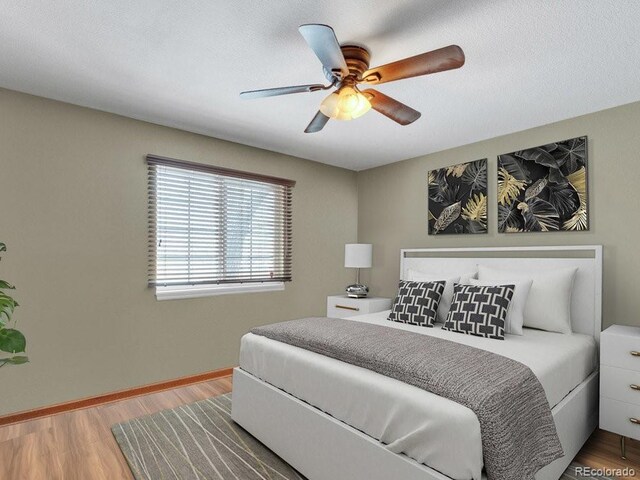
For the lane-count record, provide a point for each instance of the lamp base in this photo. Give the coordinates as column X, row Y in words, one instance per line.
column 357, row 290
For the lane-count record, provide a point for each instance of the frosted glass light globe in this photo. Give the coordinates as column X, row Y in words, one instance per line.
column 345, row 104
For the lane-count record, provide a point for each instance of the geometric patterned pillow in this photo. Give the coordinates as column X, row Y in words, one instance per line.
column 417, row 303
column 479, row 310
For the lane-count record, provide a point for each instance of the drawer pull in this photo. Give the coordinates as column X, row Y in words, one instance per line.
column 356, row 309
column 634, row 420
column 635, row 354
column 634, row 386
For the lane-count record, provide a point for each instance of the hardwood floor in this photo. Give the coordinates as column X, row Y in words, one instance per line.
column 79, row 445
column 602, row 450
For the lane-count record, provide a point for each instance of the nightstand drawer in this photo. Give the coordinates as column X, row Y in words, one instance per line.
column 619, row 417
column 341, row 306
column 341, row 310
column 620, row 384
column 620, row 351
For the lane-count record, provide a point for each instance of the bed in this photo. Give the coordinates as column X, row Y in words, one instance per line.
column 333, row 420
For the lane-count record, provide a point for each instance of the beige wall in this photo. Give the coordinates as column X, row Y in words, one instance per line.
column 73, row 214
column 73, row 205
column 393, row 204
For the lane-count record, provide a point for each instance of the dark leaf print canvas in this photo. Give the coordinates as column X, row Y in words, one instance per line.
column 544, row 189
column 458, row 198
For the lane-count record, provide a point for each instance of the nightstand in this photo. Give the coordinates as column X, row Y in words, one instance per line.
column 620, row 382
column 341, row 306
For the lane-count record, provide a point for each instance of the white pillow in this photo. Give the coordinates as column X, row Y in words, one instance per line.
column 549, row 304
column 515, row 313
column 447, row 295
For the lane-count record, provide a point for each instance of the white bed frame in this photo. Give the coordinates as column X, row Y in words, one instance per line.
column 323, row 448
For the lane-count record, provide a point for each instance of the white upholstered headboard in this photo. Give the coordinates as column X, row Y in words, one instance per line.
column 586, row 299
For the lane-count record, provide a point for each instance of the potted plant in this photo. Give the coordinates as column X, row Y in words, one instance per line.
column 11, row 340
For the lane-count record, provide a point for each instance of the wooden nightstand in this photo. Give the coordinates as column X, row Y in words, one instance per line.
column 341, row 306
column 620, row 382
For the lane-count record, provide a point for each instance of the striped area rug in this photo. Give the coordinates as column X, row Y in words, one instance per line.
column 197, row 442
column 200, row 441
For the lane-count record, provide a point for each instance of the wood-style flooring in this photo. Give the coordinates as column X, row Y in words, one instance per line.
column 602, row 450
column 79, row 445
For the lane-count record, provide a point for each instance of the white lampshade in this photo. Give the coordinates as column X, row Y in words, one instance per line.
column 357, row 255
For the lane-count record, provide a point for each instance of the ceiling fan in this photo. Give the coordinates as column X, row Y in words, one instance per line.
column 346, row 66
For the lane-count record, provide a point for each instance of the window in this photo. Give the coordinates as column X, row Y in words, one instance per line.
column 214, row 230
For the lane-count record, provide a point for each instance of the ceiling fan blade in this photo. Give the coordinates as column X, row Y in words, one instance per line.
column 322, row 40
column 446, row 58
column 396, row 111
column 317, row 124
column 272, row 92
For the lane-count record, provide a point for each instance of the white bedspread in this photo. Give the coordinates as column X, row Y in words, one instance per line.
column 430, row 429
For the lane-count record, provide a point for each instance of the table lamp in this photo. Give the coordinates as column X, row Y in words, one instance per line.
column 357, row 255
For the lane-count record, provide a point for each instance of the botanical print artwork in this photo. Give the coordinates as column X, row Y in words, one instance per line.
column 544, row 189
column 458, row 198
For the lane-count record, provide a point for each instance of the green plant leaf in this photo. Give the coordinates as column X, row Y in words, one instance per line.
column 9, row 300
column 7, row 306
column 12, row 340
column 6, row 285
column 3, row 247
column 18, row 359
column 15, row 360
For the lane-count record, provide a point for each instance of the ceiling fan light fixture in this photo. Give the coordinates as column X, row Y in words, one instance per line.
column 346, row 103
column 346, row 66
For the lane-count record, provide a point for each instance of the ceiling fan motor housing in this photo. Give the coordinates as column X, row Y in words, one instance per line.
column 357, row 58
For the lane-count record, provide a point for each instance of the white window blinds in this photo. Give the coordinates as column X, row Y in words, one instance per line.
column 211, row 225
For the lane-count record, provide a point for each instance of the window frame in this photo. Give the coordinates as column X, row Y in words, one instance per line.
column 282, row 243
column 178, row 292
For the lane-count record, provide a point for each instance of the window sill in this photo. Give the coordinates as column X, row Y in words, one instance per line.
column 195, row 291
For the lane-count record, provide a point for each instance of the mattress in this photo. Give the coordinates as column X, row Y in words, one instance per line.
column 433, row 430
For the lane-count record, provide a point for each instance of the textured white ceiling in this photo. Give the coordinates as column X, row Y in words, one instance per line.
column 183, row 63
